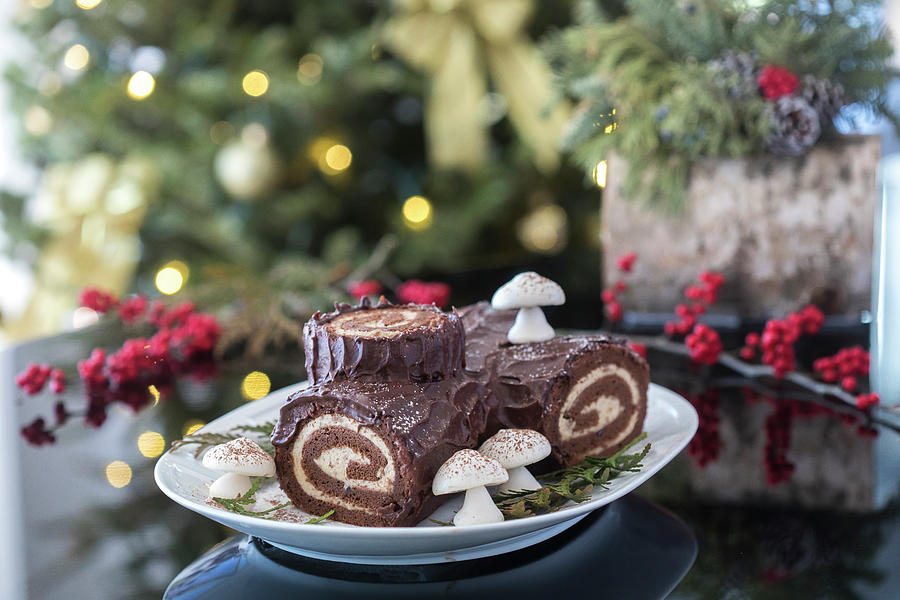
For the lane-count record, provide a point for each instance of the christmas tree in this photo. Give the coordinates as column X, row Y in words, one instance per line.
column 271, row 155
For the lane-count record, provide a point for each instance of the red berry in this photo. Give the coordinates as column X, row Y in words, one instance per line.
column 614, row 310
column 752, row 339
column 626, row 262
column 692, row 292
column 848, row 383
column 621, row 286
column 747, row 353
column 670, row 328
column 607, row 296
column 362, row 289
column 638, row 348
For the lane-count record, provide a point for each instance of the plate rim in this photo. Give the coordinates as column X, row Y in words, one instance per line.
column 248, row 524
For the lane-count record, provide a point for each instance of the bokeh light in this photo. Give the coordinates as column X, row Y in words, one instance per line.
column 338, row 157
column 76, row 58
column 309, row 70
column 417, row 212
column 599, row 174
column 38, row 120
column 153, row 392
column 118, row 474
column 84, row 317
column 39, row 4
column 140, row 85
column 221, row 132
column 255, row 385
column 192, row 426
column 544, row 230
column 87, row 4
column 151, row 444
column 255, row 83
column 172, row 277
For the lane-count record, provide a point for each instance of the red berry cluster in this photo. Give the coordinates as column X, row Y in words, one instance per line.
column 845, row 366
column 865, row 401
column 706, row 443
column 778, row 441
column 132, row 309
column 610, row 296
column 364, row 289
column 183, row 343
column 704, row 344
column 97, row 300
column 422, row 292
column 775, row 82
column 35, row 377
column 37, row 434
column 703, row 294
column 778, row 339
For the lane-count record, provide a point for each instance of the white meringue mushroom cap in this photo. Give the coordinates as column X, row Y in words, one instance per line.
column 515, row 448
column 526, row 290
column 465, row 470
column 242, row 456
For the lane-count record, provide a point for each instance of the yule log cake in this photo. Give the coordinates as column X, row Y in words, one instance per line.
column 391, row 402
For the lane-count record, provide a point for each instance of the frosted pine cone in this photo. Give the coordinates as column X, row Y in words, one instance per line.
column 825, row 97
column 795, row 126
column 736, row 72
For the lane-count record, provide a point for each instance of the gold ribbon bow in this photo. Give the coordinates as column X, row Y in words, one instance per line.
column 92, row 210
column 458, row 42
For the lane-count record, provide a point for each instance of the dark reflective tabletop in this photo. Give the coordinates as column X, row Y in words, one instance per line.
column 785, row 494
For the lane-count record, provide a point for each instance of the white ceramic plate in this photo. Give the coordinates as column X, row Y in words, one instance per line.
column 670, row 424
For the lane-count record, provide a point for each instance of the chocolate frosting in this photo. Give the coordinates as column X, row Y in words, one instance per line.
column 385, row 342
column 427, row 422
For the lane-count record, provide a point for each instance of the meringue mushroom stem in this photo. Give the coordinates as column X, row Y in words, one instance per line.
column 477, row 508
column 230, row 485
column 520, row 479
column 531, row 326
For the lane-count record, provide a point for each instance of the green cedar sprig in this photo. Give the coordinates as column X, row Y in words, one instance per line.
column 573, row 483
column 207, row 440
column 238, row 505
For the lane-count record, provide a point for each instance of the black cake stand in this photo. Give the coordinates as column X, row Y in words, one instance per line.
column 631, row 549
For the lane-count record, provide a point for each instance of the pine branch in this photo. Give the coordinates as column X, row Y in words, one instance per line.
column 204, row 441
column 574, row 483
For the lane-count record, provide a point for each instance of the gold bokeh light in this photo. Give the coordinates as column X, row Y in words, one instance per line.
column 599, row 174
column 118, row 474
column 140, row 85
column 417, row 212
column 151, row 444
column 192, row 426
column 87, row 4
column 255, row 83
column 255, row 385
column 171, row 277
column 338, row 157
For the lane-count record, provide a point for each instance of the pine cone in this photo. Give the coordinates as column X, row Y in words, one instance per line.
column 825, row 97
column 736, row 72
column 795, row 126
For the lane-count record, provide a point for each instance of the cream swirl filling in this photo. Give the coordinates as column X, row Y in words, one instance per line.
column 336, row 462
column 606, row 407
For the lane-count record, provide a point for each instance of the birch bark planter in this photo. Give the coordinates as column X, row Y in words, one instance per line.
column 784, row 231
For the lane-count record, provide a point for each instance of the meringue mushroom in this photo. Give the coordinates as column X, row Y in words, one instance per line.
column 239, row 459
column 528, row 292
column 469, row 471
column 515, row 449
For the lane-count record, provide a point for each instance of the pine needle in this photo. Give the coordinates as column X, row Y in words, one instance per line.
column 573, row 483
